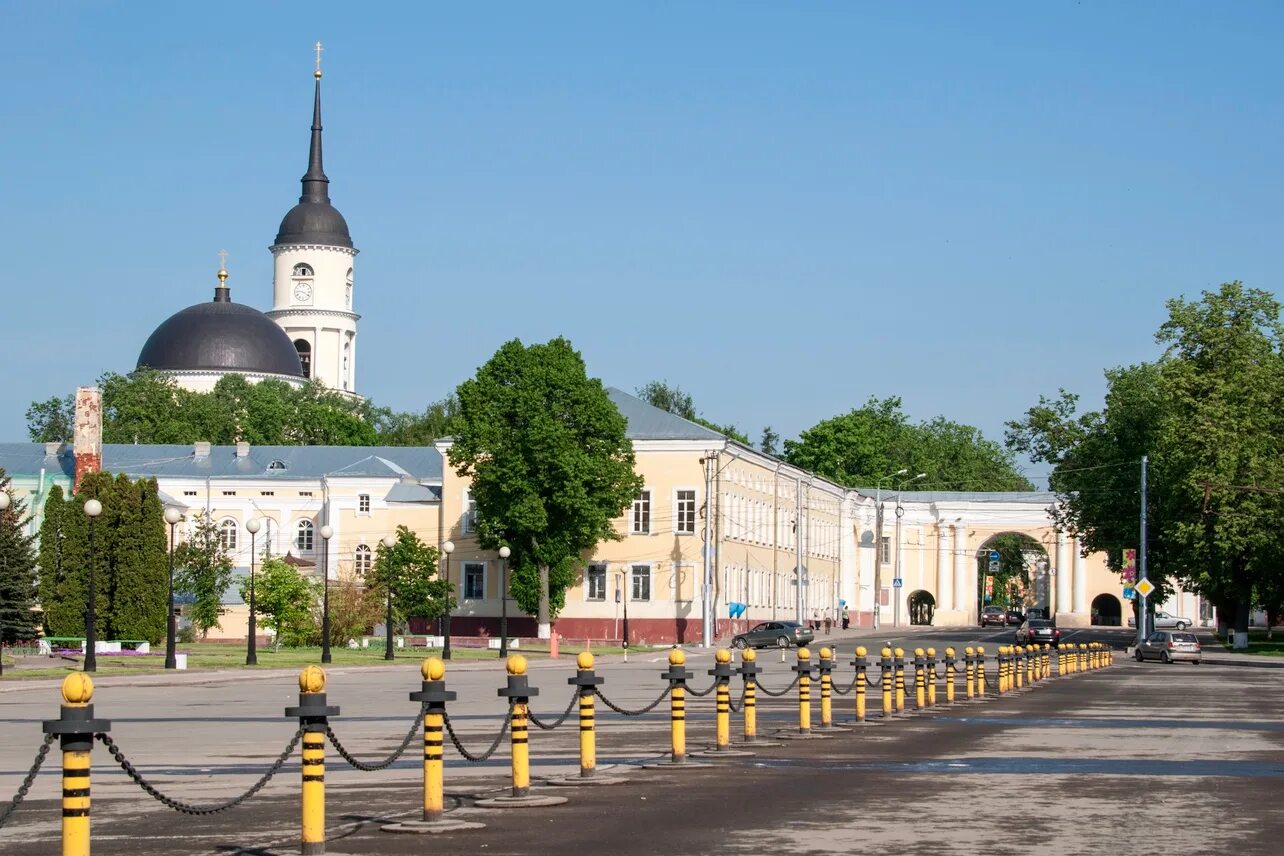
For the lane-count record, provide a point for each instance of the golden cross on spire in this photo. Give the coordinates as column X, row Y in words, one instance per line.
column 222, row 259
column 318, row 50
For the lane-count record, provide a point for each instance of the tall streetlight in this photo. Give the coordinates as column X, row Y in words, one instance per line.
column 447, row 548
column 900, row 512
column 172, row 516
column 326, row 534
column 93, row 508
column 622, row 597
column 504, row 553
column 389, row 541
column 878, row 544
column 4, row 506
column 252, row 643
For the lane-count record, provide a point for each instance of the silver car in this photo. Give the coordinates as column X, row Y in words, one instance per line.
column 1169, row 646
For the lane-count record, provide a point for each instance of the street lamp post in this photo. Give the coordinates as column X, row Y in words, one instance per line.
column 447, row 548
column 326, row 534
column 252, row 643
column 622, row 595
column 504, row 553
column 389, row 541
column 172, row 516
column 93, row 508
column 878, row 544
column 4, row 506
column 900, row 512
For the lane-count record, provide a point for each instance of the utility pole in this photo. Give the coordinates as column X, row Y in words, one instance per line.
column 706, row 624
column 1142, row 611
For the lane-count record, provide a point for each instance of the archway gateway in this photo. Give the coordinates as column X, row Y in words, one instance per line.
column 1019, row 579
column 1107, row 610
column 921, row 606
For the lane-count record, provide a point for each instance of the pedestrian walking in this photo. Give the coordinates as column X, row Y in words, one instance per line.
column 829, row 622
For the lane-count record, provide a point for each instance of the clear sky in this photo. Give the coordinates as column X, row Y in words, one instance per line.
column 784, row 208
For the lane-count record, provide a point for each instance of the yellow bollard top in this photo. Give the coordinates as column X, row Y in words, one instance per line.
column 77, row 689
column 312, row 680
column 931, row 652
column 826, row 654
column 949, row 652
column 432, row 669
column 677, row 657
column 860, row 651
column 516, row 665
column 804, row 653
column 584, row 660
column 722, row 655
column 980, row 649
column 886, row 652
column 899, row 652
column 748, row 655
column 969, row 650
column 919, row 652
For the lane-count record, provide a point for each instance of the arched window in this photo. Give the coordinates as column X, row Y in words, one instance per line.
column 227, row 534
column 276, row 465
column 363, row 561
column 302, row 270
column 303, row 536
column 305, row 355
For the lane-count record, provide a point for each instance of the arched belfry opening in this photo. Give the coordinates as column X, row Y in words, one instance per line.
column 304, row 347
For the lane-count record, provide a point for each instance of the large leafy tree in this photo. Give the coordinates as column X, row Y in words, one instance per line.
column 550, row 463
column 52, row 420
column 203, row 570
column 409, row 567
column 1207, row 414
column 285, row 601
column 17, row 570
column 860, row 447
column 416, row 429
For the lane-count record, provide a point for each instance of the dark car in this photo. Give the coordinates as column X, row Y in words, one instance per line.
column 1038, row 631
column 1015, row 616
column 782, row 634
column 994, row 615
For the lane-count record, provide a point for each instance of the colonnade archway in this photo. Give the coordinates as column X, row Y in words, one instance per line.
column 921, row 607
column 1107, row 610
column 1022, row 579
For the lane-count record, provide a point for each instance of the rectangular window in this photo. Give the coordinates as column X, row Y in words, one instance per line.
column 470, row 513
column 595, row 583
column 189, row 493
column 229, row 493
column 363, row 503
column 305, row 493
column 642, row 514
column 641, row 583
column 686, row 512
column 885, row 550
column 267, row 493
column 474, row 580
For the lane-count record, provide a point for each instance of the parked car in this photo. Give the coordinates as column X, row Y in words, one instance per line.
column 1038, row 631
column 782, row 634
column 1164, row 621
column 994, row 615
column 1015, row 616
column 1169, row 646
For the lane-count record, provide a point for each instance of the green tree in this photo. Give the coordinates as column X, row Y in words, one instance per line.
column 17, row 569
column 51, row 421
column 60, row 578
column 550, row 463
column 137, row 575
column 770, row 442
column 860, row 447
column 410, row 568
column 671, row 398
column 416, row 429
column 285, row 601
column 203, row 570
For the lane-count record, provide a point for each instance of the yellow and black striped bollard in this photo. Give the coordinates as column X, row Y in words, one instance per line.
column 749, row 673
column 931, row 677
column 861, row 665
column 313, row 715
column 980, row 672
column 886, row 679
column 969, row 672
column 677, row 676
column 920, row 679
column 950, row 670
column 825, row 665
column 519, row 693
column 75, row 729
column 898, row 664
column 1018, row 661
column 721, row 673
column 803, row 668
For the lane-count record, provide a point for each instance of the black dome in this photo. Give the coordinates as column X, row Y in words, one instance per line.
column 221, row 336
column 312, row 222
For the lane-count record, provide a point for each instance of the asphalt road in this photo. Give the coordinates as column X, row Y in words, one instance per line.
column 1137, row 759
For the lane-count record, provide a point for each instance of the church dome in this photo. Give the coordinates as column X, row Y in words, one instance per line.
column 221, row 336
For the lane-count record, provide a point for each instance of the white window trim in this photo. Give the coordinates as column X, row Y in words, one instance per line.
column 463, row 571
column 236, row 534
column 650, row 587
column 464, row 526
column 356, row 569
column 294, row 535
column 369, row 505
column 695, row 511
column 650, row 513
column 606, row 587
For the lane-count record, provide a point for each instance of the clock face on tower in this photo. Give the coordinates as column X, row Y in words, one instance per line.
column 303, row 292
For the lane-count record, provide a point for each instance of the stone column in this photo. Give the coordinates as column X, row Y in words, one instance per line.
column 1065, row 573
column 944, row 573
column 1080, row 580
column 964, row 597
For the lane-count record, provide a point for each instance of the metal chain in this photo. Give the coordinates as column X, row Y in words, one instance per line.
column 736, row 706
column 188, row 808
column 792, row 684
column 386, row 762
column 877, row 683
column 26, row 782
column 850, row 686
column 702, row 693
column 544, row 726
column 469, row 756
column 625, row 712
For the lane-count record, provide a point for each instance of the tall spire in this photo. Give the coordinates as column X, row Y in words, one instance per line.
column 315, row 183
column 222, row 294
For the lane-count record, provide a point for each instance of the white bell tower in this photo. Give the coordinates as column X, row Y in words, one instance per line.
column 312, row 277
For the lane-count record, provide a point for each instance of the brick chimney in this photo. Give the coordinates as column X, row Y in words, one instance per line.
column 87, row 442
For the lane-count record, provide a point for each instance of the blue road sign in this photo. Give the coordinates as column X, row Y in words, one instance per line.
column 896, row 582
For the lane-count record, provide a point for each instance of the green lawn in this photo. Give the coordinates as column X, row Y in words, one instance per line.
column 1259, row 644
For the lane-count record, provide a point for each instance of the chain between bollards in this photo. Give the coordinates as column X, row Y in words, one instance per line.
column 28, row 780
column 75, row 729
column 367, row 767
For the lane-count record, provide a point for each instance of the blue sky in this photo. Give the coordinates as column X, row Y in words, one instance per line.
column 784, row 208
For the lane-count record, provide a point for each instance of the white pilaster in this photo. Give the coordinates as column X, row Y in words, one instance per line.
column 944, row 573
column 1080, row 580
column 1065, row 573
column 965, row 600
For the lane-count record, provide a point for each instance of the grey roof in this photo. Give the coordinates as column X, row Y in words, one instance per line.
column 413, row 492
column 652, row 423
column 221, row 336
column 1036, row 497
column 314, row 220
column 298, row 462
